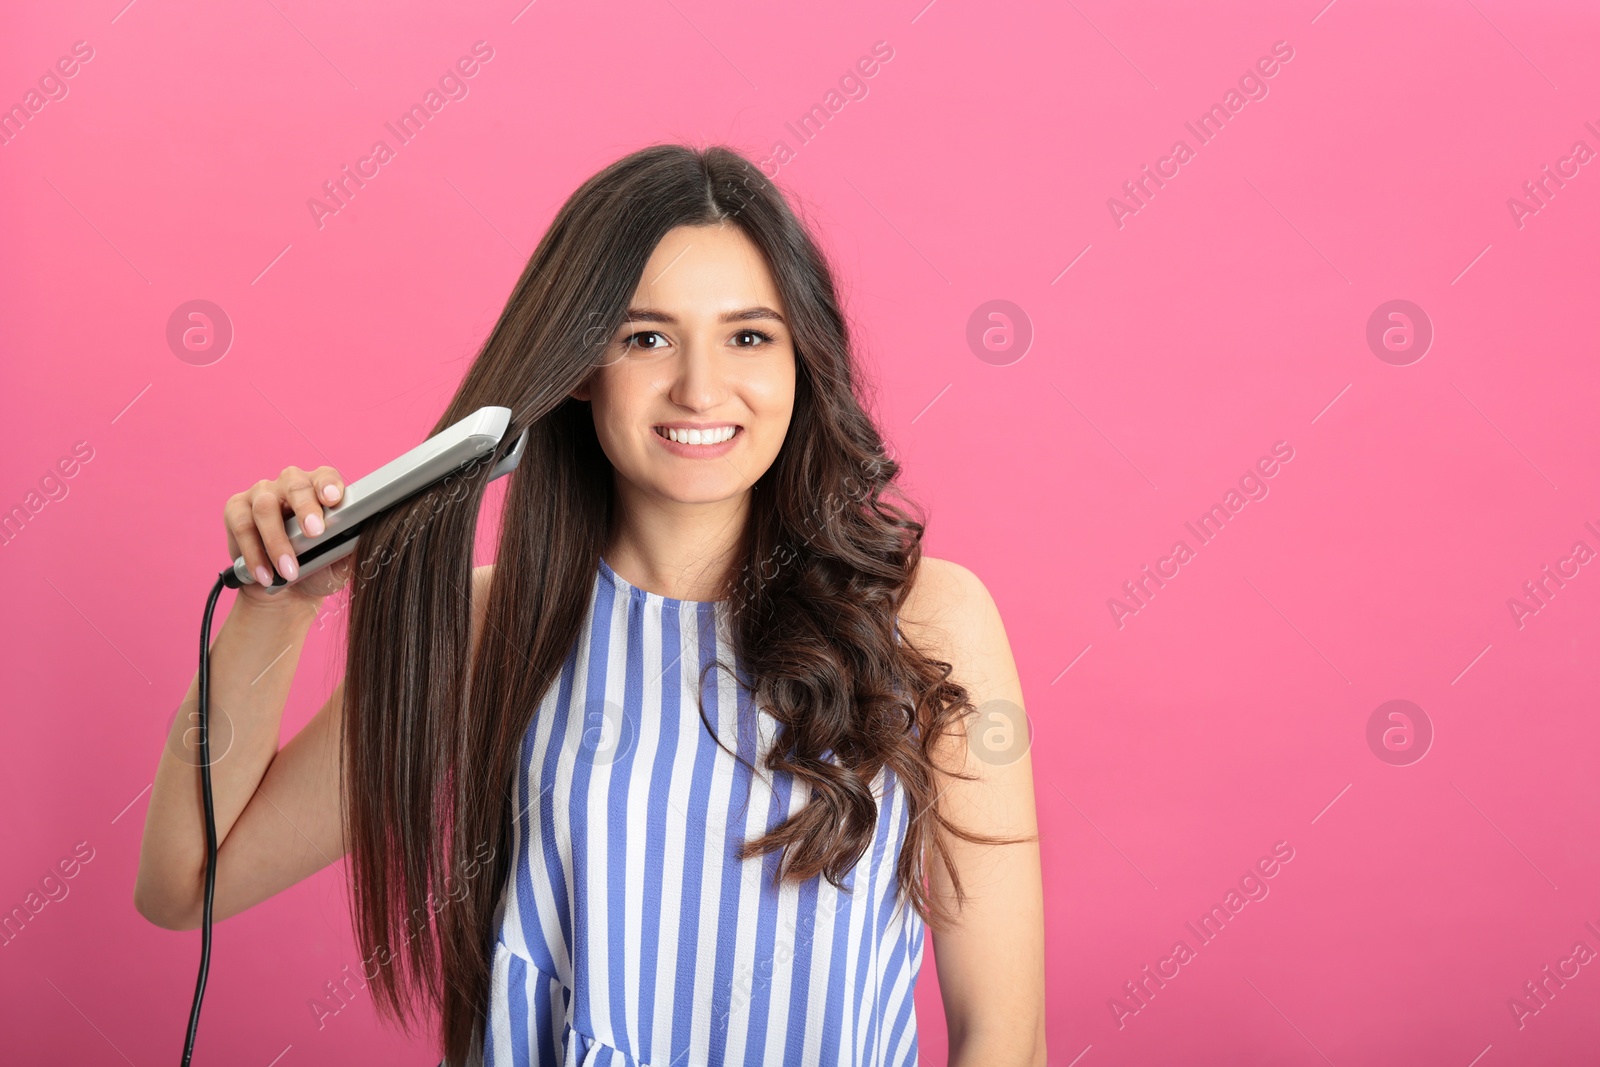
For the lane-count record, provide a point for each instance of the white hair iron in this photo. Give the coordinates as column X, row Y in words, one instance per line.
column 447, row 452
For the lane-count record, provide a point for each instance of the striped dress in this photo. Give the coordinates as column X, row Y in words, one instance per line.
column 629, row 933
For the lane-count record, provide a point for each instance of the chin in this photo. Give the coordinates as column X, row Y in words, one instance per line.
column 698, row 491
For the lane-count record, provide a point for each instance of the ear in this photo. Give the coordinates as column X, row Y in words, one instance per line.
column 582, row 392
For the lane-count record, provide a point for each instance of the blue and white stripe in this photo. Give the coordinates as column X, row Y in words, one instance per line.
column 629, row 932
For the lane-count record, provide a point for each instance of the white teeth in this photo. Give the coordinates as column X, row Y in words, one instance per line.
column 700, row 437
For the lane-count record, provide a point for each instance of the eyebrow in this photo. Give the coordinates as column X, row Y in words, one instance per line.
column 743, row 315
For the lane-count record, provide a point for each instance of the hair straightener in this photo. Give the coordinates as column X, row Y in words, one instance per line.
column 463, row 445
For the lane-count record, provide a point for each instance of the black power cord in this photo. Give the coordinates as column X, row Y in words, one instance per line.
column 230, row 580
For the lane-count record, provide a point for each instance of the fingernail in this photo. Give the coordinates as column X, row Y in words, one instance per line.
column 263, row 575
column 313, row 524
column 286, row 566
column 330, row 493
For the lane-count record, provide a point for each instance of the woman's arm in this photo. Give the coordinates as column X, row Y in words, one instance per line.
column 259, row 850
column 277, row 810
column 990, row 965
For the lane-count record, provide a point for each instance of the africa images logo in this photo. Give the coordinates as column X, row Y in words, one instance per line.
column 1252, row 85
column 452, row 86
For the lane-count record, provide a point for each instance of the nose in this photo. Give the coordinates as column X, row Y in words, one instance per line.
column 697, row 383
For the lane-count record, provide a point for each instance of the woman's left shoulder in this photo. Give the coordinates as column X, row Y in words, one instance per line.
column 947, row 602
column 950, row 617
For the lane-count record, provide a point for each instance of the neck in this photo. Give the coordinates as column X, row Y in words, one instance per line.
column 677, row 550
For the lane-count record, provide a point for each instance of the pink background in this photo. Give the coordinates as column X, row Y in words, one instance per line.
column 1227, row 314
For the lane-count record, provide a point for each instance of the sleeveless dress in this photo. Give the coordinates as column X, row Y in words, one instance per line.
column 629, row 933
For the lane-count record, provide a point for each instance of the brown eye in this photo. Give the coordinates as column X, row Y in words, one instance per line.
column 631, row 341
column 765, row 337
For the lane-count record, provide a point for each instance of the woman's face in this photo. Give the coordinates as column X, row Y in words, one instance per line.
column 696, row 388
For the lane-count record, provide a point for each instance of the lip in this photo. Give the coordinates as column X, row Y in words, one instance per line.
column 697, row 451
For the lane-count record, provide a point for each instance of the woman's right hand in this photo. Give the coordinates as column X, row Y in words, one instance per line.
column 255, row 524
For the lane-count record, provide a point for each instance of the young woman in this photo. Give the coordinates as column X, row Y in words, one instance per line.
column 680, row 778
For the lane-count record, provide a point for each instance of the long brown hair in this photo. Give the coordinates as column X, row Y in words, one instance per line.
column 431, row 740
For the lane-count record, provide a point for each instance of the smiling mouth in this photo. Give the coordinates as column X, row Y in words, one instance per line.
column 715, row 435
